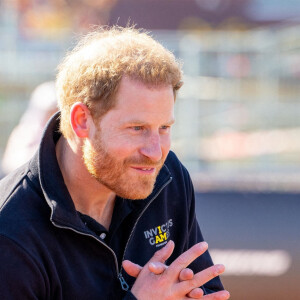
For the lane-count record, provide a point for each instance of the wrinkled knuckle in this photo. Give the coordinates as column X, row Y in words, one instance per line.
column 163, row 281
column 191, row 284
column 181, row 260
column 157, row 254
column 215, row 272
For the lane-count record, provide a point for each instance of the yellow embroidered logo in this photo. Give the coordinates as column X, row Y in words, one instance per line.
column 159, row 235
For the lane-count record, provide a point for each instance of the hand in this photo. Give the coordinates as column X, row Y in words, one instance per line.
column 185, row 274
column 158, row 268
column 157, row 281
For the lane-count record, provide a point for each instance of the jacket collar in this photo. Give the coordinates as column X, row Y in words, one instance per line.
column 45, row 166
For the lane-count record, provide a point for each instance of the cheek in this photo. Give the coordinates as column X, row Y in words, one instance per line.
column 118, row 143
column 122, row 149
column 165, row 144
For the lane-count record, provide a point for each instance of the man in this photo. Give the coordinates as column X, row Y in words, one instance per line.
column 104, row 210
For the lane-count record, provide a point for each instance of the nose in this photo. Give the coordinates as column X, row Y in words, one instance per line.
column 152, row 148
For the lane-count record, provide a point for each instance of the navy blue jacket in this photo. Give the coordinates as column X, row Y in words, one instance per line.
column 47, row 251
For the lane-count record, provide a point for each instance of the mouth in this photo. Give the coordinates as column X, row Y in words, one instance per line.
column 144, row 170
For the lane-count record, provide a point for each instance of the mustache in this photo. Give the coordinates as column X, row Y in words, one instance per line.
column 144, row 161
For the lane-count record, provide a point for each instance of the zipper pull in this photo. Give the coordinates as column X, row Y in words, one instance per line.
column 124, row 285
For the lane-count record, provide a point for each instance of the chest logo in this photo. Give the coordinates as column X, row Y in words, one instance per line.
column 159, row 235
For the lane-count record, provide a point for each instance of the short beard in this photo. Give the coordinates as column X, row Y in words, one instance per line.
column 111, row 172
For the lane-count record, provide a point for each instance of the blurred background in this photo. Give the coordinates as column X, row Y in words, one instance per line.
column 237, row 116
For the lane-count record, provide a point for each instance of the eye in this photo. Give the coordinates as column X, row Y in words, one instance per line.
column 137, row 128
column 165, row 129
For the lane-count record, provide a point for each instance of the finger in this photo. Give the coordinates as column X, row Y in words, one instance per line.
column 131, row 268
column 186, row 274
column 221, row 295
column 163, row 254
column 182, row 261
column 201, row 278
column 157, row 267
column 196, row 293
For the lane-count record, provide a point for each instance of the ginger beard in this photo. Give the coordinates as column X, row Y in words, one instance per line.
column 117, row 174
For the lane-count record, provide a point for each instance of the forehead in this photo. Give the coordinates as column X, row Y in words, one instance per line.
column 136, row 100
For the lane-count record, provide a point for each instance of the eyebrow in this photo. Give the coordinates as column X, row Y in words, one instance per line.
column 172, row 121
column 140, row 122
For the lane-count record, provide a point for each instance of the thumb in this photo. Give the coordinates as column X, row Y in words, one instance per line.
column 157, row 267
column 163, row 254
column 131, row 268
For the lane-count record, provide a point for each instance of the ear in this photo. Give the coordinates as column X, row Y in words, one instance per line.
column 80, row 117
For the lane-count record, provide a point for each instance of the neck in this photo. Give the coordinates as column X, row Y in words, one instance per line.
column 90, row 197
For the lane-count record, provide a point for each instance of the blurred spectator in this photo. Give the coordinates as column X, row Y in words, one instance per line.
column 86, row 13
column 25, row 137
column 54, row 19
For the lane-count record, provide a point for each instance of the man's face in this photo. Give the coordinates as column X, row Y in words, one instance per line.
column 130, row 143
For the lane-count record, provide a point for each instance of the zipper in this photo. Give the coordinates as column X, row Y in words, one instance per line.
column 86, row 234
column 124, row 284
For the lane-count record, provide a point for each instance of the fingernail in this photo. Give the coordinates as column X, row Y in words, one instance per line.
column 152, row 264
column 220, row 268
column 170, row 242
column 203, row 245
column 227, row 294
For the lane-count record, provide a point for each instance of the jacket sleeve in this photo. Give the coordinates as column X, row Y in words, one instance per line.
column 195, row 236
column 20, row 277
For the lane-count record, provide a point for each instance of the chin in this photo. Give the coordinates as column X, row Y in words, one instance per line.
column 134, row 194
